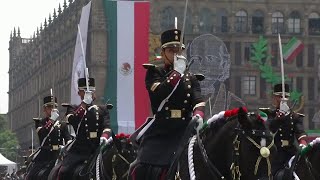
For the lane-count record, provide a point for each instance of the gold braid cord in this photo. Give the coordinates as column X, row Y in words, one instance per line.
column 260, row 157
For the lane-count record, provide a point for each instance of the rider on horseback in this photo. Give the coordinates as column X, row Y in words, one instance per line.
column 90, row 122
column 175, row 97
column 52, row 134
column 288, row 127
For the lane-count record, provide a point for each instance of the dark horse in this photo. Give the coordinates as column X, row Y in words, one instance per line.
column 237, row 147
column 109, row 163
column 314, row 159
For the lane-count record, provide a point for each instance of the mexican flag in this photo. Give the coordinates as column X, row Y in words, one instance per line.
column 292, row 49
column 128, row 48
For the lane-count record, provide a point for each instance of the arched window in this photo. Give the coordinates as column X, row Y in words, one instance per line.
column 294, row 23
column 241, row 22
column 167, row 18
column 277, row 23
column 206, row 21
column 314, row 24
column 258, row 22
column 222, row 21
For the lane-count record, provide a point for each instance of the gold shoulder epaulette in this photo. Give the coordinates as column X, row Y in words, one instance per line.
column 265, row 110
column 301, row 114
column 36, row 119
column 109, row 106
column 200, row 77
column 148, row 66
column 65, row 104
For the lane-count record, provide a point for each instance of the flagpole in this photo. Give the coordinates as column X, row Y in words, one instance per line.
column 282, row 68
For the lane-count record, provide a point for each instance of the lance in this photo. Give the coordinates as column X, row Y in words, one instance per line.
column 86, row 73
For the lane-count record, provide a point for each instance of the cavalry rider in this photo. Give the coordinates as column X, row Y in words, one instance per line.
column 92, row 126
column 53, row 134
column 287, row 125
column 175, row 97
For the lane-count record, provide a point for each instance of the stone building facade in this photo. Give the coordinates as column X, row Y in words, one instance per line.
column 45, row 60
column 239, row 24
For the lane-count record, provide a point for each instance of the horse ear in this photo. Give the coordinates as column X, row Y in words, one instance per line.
column 243, row 118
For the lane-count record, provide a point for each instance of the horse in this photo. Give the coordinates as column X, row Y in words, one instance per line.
column 314, row 160
column 306, row 165
column 110, row 162
column 236, row 147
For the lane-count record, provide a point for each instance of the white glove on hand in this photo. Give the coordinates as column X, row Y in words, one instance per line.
column 179, row 63
column 103, row 140
column 54, row 114
column 302, row 146
column 199, row 121
column 284, row 108
column 87, row 97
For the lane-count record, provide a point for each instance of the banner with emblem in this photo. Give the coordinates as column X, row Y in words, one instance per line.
column 128, row 48
column 78, row 64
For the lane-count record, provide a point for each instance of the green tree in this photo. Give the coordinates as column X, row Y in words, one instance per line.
column 8, row 141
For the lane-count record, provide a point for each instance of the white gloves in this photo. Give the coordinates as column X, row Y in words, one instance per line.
column 179, row 63
column 103, row 140
column 284, row 108
column 87, row 97
column 54, row 114
column 199, row 121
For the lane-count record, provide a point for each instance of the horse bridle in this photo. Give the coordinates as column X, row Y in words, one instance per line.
column 114, row 176
column 264, row 150
column 235, row 166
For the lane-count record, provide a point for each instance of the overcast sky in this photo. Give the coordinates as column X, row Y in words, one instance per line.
column 28, row 15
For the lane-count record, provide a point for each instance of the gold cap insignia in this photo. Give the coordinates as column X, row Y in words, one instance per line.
column 176, row 32
column 176, row 38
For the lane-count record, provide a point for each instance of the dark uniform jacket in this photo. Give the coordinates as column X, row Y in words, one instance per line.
column 57, row 137
column 288, row 130
column 162, row 138
column 92, row 124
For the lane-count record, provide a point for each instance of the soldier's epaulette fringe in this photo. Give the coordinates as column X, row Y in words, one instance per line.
column 266, row 110
column 36, row 119
column 300, row 114
column 200, row 77
column 66, row 105
column 109, row 106
column 149, row 66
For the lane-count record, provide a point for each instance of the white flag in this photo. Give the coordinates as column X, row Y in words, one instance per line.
column 78, row 67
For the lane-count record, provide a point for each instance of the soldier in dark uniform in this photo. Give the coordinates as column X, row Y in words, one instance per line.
column 172, row 113
column 92, row 126
column 288, row 127
column 52, row 135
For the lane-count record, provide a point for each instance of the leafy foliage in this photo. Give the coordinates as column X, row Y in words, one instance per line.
column 8, row 141
column 260, row 57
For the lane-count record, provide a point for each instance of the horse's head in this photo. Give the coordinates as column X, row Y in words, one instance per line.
column 122, row 154
column 253, row 141
column 242, row 142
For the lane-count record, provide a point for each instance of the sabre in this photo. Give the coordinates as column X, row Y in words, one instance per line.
column 86, row 73
column 282, row 68
column 184, row 23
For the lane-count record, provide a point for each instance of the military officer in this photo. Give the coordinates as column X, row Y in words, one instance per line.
column 288, row 127
column 175, row 97
column 92, row 126
column 52, row 135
